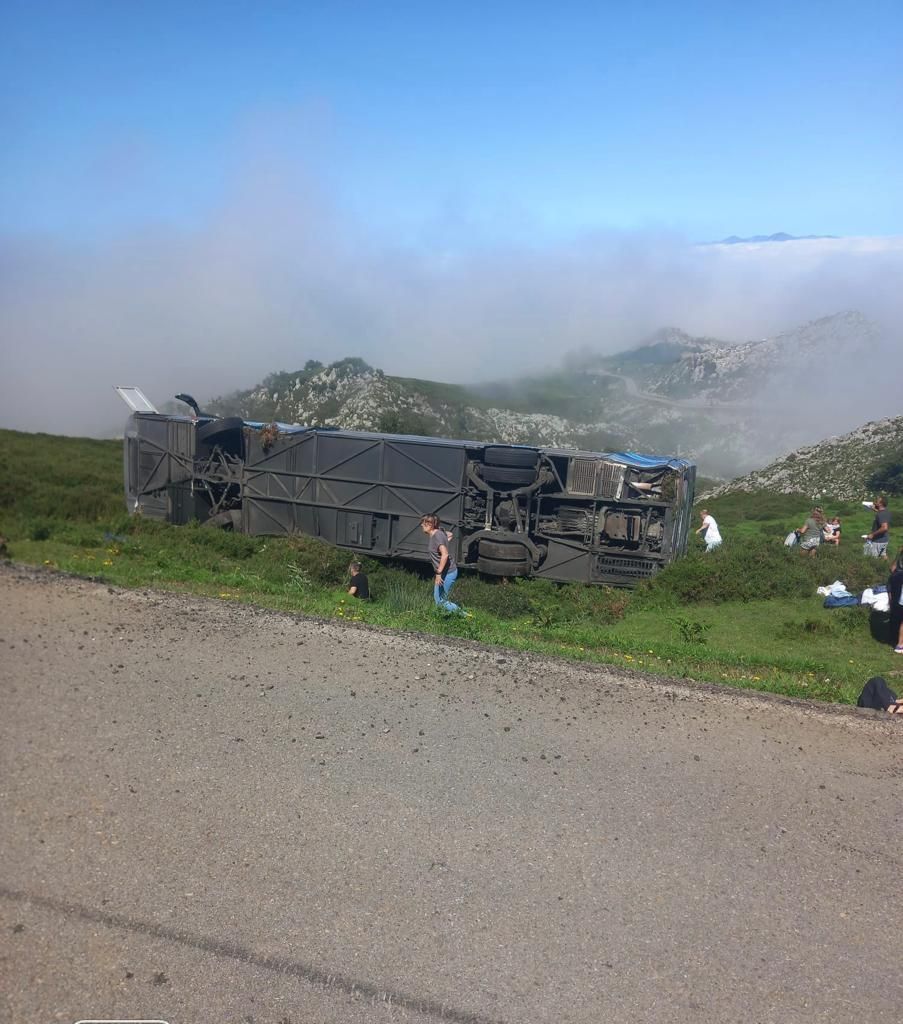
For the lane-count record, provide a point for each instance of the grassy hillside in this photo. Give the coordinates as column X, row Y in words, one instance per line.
column 573, row 394
column 746, row 615
column 43, row 477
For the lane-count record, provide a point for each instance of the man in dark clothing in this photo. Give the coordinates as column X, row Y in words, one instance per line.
column 360, row 585
column 876, row 541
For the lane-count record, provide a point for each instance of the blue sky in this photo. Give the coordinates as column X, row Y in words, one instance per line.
column 194, row 194
column 501, row 120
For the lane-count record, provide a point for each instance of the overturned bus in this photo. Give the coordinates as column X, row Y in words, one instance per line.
column 555, row 513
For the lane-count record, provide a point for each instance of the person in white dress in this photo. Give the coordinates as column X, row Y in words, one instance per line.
column 709, row 530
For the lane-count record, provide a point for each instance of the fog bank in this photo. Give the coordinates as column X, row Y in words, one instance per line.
column 279, row 275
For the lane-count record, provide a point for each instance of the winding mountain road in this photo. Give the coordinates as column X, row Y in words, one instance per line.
column 688, row 404
column 214, row 813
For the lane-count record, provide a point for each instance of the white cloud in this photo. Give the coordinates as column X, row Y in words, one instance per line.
column 278, row 274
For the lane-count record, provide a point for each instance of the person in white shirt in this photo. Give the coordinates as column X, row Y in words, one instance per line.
column 709, row 528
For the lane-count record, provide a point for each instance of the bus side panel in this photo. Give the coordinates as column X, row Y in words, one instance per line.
column 276, row 479
column 359, row 492
column 160, row 467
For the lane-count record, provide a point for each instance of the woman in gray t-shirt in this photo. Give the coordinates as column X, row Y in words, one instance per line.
column 810, row 532
column 445, row 568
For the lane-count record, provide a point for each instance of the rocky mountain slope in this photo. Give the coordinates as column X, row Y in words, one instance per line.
column 731, row 407
column 353, row 395
column 676, row 365
column 837, row 466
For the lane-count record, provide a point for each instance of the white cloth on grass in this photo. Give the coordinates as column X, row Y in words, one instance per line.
column 836, row 589
column 879, row 600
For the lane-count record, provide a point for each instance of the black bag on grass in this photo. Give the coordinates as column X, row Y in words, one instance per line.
column 876, row 694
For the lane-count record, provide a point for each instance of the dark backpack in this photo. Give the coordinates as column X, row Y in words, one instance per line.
column 876, row 694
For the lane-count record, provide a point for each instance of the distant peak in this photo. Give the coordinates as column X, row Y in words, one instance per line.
column 778, row 236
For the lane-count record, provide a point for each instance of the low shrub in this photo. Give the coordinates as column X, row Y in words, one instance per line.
column 757, row 569
column 400, row 594
column 601, row 605
column 223, row 542
column 888, row 478
column 691, row 630
column 757, row 506
column 40, row 529
column 838, row 622
column 298, row 577
column 544, row 602
column 506, row 599
column 324, row 564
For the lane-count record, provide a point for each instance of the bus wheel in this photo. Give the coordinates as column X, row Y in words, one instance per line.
column 503, row 551
column 216, row 430
column 494, row 567
column 509, row 478
column 516, row 458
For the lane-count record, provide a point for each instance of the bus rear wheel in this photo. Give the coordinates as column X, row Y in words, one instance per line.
column 503, row 551
column 516, row 458
column 494, row 567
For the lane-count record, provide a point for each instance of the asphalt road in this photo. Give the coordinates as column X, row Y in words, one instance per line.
column 701, row 404
column 215, row 814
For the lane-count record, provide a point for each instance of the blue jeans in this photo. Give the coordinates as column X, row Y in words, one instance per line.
column 440, row 593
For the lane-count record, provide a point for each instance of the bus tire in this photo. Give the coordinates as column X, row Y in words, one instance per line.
column 516, row 458
column 216, row 430
column 494, row 567
column 503, row 551
column 511, row 478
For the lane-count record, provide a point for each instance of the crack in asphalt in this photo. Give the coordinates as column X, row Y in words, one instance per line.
column 233, row 951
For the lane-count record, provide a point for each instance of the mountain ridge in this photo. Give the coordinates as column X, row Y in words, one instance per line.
column 732, row 407
column 839, row 466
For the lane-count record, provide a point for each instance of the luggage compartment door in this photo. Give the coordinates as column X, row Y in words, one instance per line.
column 354, row 530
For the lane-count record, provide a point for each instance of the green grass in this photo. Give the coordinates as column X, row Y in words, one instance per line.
column 746, row 615
column 749, row 514
column 574, row 395
column 442, row 394
column 59, row 478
